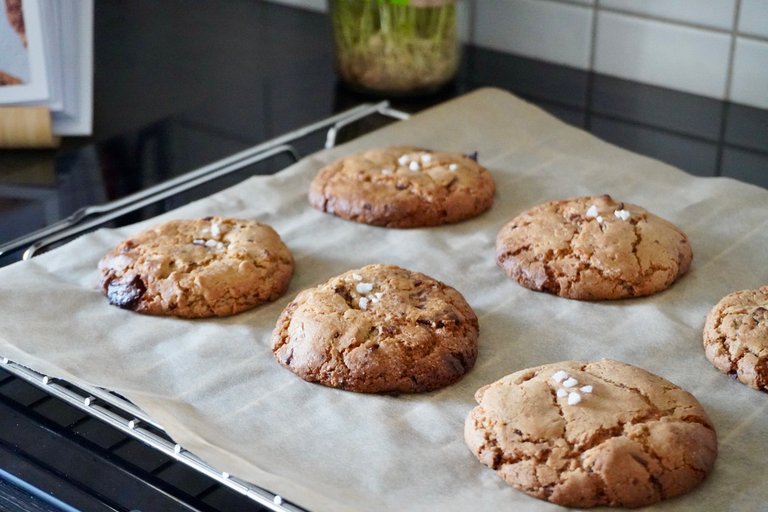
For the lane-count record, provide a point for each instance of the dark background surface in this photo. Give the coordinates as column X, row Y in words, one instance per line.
column 179, row 84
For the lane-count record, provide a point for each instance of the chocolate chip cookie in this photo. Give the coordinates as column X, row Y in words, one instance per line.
column 197, row 268
column 590, row 434
column 736, row 336
column 592, row 248
column 403, row 187
column 378, row 329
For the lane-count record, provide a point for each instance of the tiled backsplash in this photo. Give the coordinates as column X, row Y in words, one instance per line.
column 714, row 48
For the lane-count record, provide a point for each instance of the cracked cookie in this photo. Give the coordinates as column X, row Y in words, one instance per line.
column 592, row 248
column 589, row 434
column 197, row 268
column 378, row 329
column 736, row 336
column 403, row 187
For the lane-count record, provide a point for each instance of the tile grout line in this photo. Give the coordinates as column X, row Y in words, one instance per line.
column 593, row 37
column 727, row 93
column 471, row 21
column 591, row 69
column 663, row 19
column 732, row 50
column 670, row 21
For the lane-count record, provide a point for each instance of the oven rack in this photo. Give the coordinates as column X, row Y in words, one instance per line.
column 109, row 406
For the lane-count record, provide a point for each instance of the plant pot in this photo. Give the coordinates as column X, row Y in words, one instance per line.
column 395, row 47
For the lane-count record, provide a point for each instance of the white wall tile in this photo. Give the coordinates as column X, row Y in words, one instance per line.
column 753, row 18
column 551, row 31
column 662, row 54
column 713, row 13
column 750, row 73
column 313, row 5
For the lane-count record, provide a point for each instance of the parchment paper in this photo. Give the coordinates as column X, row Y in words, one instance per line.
column 215, row 387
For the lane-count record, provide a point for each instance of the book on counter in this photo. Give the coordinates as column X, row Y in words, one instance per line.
column 46, row 59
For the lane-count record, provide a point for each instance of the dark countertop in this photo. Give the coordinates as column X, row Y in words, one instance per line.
column 179, row 84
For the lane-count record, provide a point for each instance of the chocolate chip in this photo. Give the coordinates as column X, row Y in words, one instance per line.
column 345, row 294
column 126, row 294
column 453, row 317
column 389, row 330
column 456, row 362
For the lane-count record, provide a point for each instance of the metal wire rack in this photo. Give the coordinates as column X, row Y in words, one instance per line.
column 112, row 408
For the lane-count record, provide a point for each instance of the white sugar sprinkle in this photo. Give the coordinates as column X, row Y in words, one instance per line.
column 215, row 230
column 599, row 219
column 426, row 158
column 414, row 166
column 364, row 288
column 210, row 243
column 357, row 277
column 453, row 167
column 591, row 212
column 379, row 295
column 559, row 376
column 573, row 398
column 403, row 160
column 622, row 214
column 561, row 393
column 386, row 172
column 586, row 389
column 198, row 242
column 363, row 303
column 374, row 300
column 219, row 245
column 570, row 382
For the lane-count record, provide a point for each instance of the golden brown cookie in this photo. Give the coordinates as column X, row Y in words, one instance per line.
column 378, row 329
column 736, row 336
column 197, row 268
column 403, row 187
column 592, row 248
column 589, row 434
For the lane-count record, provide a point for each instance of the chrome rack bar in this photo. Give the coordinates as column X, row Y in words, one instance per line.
column 379, row 108
column 130, row 424
column 85, row 226
column 112, row 408
column 217, row 169
column 87, row 211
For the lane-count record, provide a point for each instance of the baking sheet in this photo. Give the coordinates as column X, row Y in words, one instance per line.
column 214, row 386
